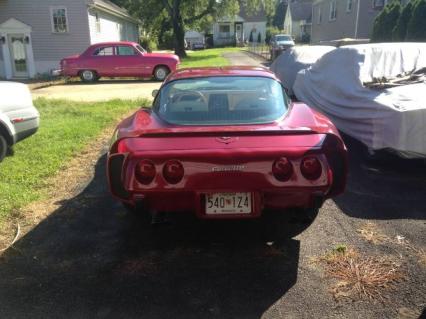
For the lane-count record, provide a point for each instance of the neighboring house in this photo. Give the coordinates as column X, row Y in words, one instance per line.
column 237, row 29
column 36, row 34
column 194, row 37
column 338, row 19
column 298, row 19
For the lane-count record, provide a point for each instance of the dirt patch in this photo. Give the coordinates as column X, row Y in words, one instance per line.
column 360, row 276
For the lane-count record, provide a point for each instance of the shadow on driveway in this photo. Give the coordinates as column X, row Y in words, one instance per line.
column 388, row 188
column 90, row 259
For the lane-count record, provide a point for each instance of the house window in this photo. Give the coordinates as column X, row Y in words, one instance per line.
column 319, row 16
column 333, row 10
column 59, row 19
column 104, row 51
column 349, row 5
column 224, row 28
column 98, row 23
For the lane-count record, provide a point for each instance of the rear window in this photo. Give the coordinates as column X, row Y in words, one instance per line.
column 104, row 51
column 221, row 101
column 283, row 38
column 125, row 50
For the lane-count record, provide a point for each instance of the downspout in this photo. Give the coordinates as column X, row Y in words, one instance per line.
column 357, row 18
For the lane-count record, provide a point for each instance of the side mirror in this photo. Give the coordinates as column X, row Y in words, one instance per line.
column 154, row 93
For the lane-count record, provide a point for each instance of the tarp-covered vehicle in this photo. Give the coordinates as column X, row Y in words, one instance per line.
column 372, row 92
column 295, row 59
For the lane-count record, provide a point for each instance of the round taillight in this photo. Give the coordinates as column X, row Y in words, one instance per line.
column 145, row 172
column 282, row 169
column 173, row 171
column 311, row 168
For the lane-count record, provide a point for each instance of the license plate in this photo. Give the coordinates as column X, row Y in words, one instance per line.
column 228, row 203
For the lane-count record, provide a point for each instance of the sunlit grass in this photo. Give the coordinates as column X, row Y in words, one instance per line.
column 209, row 57
column 66, row 127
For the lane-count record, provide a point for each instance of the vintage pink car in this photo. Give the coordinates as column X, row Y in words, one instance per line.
column 118, row 59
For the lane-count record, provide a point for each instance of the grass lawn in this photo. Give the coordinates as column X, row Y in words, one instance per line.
column 66, row 127
column 209, row 57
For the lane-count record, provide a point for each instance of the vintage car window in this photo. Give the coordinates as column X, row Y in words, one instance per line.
column 103, row 51
column 221, row 101
column 125, row 50
column 140, row 49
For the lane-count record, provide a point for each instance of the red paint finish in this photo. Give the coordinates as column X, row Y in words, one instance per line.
column 140, row 64
column 224, row 159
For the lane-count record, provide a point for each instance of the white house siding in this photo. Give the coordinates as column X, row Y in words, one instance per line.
column 260, row 27
column 112, row 28
column 2, row 73
column 223, row 38
column 49, row 47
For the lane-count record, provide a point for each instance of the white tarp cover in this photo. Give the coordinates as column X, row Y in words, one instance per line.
column 389, row 118
column 291, row 61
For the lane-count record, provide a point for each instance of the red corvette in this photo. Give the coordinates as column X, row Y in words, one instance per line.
column 226, row 143
column 118, row 59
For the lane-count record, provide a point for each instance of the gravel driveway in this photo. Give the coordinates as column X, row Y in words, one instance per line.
column 101, row 91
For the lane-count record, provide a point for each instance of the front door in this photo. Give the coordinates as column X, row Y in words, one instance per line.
column 239, row 32
column 18, row 55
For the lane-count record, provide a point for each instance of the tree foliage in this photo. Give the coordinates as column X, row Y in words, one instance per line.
column 400, row 31
column 416, row 29
column 385, row 22
column 159, row 16
column 280, row 11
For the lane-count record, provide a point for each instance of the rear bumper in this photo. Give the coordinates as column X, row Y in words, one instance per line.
column 57, row 72
column 25, row 128
column 193, row 199
column 194, row 202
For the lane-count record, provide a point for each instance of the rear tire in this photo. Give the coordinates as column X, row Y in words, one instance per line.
column 88, row 76
column 160, row 73
column 3, row 147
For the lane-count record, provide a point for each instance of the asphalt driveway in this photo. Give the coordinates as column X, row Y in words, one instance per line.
column 90, row 259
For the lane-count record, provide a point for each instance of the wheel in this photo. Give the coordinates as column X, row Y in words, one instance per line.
column 284, row 225
column 88, row 76
column 161, row 72
column 3, row 147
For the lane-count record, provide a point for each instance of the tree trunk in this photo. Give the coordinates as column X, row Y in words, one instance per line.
column 178, row 30
column 179, row 34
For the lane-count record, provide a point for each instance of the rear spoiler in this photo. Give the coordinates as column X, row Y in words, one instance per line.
column 179, row 133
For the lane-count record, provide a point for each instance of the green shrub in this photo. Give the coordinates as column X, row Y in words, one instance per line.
column 259, row 38
column 400, row 31
column 416, row 29
column 167, row 40
column 148, row 43
column 270, row 32
column 385, row 22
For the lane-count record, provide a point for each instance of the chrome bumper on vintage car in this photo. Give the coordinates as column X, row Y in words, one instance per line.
column 57, row 72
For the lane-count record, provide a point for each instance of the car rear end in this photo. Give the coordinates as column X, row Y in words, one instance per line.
column 21, row 118
column 237, row 178
column 226, row 146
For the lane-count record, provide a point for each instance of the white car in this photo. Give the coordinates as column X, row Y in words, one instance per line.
column 19, row 118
